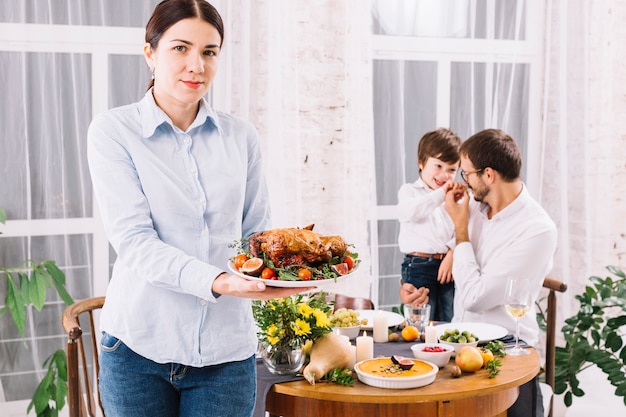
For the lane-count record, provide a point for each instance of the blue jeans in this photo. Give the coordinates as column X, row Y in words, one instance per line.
column 422, row 272
column 133, row 386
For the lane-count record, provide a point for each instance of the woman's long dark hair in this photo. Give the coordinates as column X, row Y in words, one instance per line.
column 169, row 12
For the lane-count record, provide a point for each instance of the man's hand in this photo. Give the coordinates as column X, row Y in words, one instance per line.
column 228, row 284
column 457, row 206
column 411, row 295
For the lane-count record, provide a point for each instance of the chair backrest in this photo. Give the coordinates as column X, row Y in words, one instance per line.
column 553, row 286
column 353, row 303
column 82, row 352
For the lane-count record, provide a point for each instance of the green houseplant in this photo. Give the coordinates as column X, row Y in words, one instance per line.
column 594, row 336
column 27, row 285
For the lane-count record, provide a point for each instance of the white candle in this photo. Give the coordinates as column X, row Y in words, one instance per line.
column 381, row 330
column 364, row 347
column 352, row 357
column 431, row 334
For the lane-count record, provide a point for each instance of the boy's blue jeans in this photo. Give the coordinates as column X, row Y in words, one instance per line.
column 422, row 272
column 131, row 385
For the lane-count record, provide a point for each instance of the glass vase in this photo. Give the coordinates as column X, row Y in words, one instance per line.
column 283, row 360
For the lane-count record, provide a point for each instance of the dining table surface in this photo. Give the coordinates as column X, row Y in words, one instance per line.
column 470, row 395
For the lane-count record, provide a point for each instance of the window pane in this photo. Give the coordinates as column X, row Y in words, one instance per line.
column 389, row 262
column 405, row 97
column 20, row 358
column 44, row 132
column 129, row 85
column 78, row 12
column 489, row 19
column 504, row 105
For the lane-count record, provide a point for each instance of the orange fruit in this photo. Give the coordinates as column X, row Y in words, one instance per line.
column 487, row 355
column 239, row 260
column 410, row 333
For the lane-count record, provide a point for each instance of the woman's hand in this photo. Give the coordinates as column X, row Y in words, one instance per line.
column 228, row 284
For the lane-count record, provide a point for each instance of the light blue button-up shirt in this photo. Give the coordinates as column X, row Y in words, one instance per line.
column 172, row 202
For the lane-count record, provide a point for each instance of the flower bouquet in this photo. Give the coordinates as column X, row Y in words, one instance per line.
column 286, row 324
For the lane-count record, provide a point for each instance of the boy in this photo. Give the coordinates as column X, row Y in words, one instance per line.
column 426, row 232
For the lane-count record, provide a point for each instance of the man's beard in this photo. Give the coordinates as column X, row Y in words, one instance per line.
column 480, row 193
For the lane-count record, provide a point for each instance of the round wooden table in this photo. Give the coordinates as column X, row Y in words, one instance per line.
column 471, row 395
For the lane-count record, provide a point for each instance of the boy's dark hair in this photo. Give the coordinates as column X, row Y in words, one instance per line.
column 442, row 144
column 495, row 149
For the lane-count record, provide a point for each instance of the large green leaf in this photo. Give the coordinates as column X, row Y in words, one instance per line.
column 15, row 302
column 39, row 282
column 58, row 279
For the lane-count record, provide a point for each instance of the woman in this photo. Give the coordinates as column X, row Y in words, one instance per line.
column 178, row 182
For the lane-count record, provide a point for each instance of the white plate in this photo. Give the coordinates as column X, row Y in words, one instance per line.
column 485, row 331
column 290, row 284
column 393, row 319
column 397, row 383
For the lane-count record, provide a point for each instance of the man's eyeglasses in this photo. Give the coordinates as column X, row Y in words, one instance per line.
column 465, row 174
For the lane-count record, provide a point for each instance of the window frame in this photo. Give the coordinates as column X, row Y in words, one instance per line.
column 446, row 51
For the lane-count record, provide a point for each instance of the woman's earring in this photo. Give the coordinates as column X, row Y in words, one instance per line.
column 152, row 71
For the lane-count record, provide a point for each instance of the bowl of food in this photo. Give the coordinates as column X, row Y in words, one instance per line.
column 351, row 331
column 346, row 322
column 437, row 353
column 457, row 338
column 385, row 372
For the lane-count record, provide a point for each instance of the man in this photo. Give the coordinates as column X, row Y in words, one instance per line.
column 503, row 233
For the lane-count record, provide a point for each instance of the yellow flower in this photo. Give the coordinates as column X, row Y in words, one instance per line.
column 271, row 330
column 301, row 327
column 304, row 310
column 321, row 318
column 273, row 339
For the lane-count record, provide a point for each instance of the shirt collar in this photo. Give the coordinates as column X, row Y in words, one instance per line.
column 152, row 116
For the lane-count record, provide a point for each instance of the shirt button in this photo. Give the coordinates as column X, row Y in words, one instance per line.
column 203, row 233
column 202, row 302
column 186, row 140
column 201, row 200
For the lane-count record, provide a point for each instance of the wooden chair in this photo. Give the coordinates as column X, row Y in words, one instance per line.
column 547, row 388
column 82, row 359
column 353, row 303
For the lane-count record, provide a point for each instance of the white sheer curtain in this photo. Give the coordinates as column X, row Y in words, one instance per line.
column 52, row 84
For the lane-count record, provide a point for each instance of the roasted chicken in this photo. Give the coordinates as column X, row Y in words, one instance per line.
column 294, row 246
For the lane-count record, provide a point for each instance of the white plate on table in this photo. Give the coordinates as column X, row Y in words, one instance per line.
column 484, row 331
column 393, row 319
column 290, row 284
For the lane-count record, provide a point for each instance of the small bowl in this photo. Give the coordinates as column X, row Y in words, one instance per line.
column 458, row 346
column 440, row 359
column 352, row 331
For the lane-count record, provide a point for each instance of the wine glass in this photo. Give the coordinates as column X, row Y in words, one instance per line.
column 517, row 304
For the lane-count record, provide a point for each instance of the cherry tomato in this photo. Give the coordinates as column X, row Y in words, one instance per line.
column 240, row 260
column 268, row 273
column 304, row 274
column 350, row 261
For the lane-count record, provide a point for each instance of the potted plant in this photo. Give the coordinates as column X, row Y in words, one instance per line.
column 594, row 336
column 27, row 285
